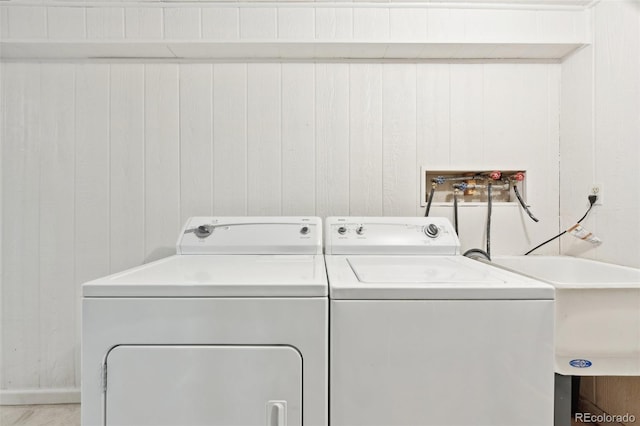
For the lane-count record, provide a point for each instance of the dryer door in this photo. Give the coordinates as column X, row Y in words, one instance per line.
column 203, row 385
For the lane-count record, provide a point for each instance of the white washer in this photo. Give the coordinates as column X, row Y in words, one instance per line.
column 230, row 331
column 420, row 335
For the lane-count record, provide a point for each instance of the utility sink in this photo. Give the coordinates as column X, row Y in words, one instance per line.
column 597, row 312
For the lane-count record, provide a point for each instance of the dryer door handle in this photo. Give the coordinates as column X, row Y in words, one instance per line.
column 277, row 413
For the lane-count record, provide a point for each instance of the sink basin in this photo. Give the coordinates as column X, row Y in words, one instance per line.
column 597, row 312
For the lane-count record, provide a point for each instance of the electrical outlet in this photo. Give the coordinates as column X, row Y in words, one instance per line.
column 596, row 189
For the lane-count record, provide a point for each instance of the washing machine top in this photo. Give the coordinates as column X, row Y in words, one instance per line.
column 230, row 257
column 413, row 259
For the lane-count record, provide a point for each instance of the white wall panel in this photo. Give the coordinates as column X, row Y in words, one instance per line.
column 600, row 133
column 617, row 131
column 600, row 130
column 577, row 160
column 492, row 25
column 296, row 23
column 105, row 23
column 27, row 22
column 230, row 139
column 258, row 23
column 365, row 145
column 196, row 140
column 264, row 142
column 400, row 178
column 298, row 139
column 126, row 141
column 66, row 23
column 161, row 160
column 4, row 23
column 408, row 24
column 370, row 23
column 135, row 149
column 143, row 23
column 445, row 24
column 21, row 146
column 91, row 251
column 57, row 208
column 334, row 23
column 433, row 115
column 467, row 114
column 221, row 23
column 182, row 23
column 332, row 139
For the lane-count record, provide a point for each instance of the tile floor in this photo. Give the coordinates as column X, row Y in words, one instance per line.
column 54, row 415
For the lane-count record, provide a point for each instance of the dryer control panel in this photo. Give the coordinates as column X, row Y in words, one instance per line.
column 251, row 235
column 390, row 235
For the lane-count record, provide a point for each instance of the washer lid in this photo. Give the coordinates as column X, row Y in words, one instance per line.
column 426, row 277
column 218, row 276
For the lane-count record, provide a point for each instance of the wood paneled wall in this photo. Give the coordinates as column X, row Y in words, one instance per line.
column 103, row 162
column 600, row 119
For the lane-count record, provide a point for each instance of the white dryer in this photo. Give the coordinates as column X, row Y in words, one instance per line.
column 232, row 330
column 420, row 335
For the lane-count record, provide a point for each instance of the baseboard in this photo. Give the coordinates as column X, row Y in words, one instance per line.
column 39, row 396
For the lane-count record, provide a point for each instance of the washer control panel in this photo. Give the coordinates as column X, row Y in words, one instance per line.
column 251, row 235
column 390, row 235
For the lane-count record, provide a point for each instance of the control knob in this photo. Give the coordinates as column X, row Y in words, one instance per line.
column 360, row 230
column 203, row 231
column 431, row 230
column 304, row 230
column 342, row 230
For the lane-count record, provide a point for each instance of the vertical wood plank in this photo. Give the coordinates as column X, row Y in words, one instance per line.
column 196, row 136
column 66, row 23
column 334, row 23
column 92, row 170
column 162, row 160
column 27, row 22
column 433, row 119
column 408, row 24
column 296, row 23
column 264, row 145
column 20, row 226
column 258, row 22
column 127, row 165
column 616, row 151
column 220, row 23
column 576, row 134
column 370, row 23
column 105, row 23
column 400, row 177
column 143, row 23
column 230, row 139
column 466, row 113
column 504, row 103
column 433, row 103
column 298, row 139
column 519, row 26
column 365, row 117
column 4, row 23
column 332, row 139
column 57, row 208
column 182, row 23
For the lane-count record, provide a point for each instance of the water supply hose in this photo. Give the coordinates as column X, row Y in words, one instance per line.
column 489, row 220
column 455, row 210
column 430, row 199
column 476, row 253
column 524, row 206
